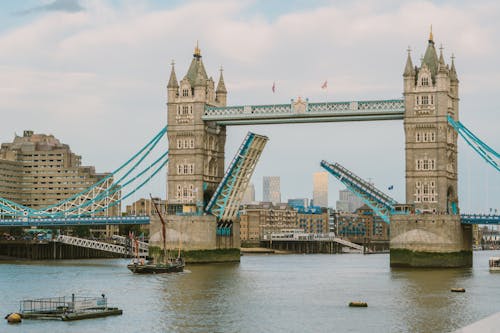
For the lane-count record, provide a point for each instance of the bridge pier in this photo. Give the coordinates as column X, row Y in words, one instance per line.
column 430, row 240
column 196, row 235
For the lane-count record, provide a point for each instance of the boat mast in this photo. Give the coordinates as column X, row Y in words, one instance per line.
column 163, row 228
column 180, row 234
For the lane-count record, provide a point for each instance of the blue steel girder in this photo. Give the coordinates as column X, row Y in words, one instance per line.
column 305, row 112
column 479, row 219
column 485, row 151
column 379, row 202
column 226, row 200
column 100, row 196
column 74, row 221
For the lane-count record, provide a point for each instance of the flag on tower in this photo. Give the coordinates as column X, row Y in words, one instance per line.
column 274, row 87
column 324, row 85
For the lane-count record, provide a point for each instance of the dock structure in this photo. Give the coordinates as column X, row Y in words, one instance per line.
column 309, row 243
column 67, row 308
column 68, row 247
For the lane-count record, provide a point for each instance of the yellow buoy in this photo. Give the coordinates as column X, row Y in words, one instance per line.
column 458, row 290
column 358, row 304
column 14, row 318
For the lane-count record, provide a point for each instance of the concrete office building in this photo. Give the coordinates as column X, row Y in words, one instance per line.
column 320, row 189
column 348, row 201
column 249, row 195
column 271, row 189
column 37, row 170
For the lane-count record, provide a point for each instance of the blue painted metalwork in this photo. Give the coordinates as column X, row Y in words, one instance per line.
column 100, row 196
column 479, row 219
column 226, row 200
column 485, row 151
column 379, row 202
column 383, row 205
column 72, row 221
column 304, row 112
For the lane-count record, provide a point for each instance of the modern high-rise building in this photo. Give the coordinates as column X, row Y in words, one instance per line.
column 271, row 189
column 348, row 201
column 249, row 195
column 320, row 189
column 298, row 202
column 37, row 170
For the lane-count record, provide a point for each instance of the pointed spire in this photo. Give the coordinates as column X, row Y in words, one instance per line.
column 221, row 87
column 172, row 82
column 409, row 71
column 197, row 52
column 441, row 66
column 453, row 71
column 195, row 68
column 201, row 77
column 430, row 57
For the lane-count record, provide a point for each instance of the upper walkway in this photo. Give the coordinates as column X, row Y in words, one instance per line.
column 301, row 111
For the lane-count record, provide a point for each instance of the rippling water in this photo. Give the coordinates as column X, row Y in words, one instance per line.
column 263, row 293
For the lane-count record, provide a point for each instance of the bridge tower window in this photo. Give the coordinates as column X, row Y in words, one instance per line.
column 425, row 100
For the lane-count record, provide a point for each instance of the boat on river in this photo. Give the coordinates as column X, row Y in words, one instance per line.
column 149, row 267
column 166, row 265
column 494, row 264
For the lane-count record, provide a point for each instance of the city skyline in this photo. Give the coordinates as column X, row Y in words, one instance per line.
column 108, row 73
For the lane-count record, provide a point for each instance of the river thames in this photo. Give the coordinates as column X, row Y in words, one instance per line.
column 263, row 293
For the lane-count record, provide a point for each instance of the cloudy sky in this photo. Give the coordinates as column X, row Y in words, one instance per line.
column 94, row 74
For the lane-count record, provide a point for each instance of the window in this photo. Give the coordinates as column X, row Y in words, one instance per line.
column 425, row 81
column 185, row 169
column 425, row 164
column 185, row 92
column 425, row 191
column 425, row 100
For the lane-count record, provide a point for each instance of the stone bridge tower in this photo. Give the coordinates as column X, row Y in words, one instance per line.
column 195, row 168
column 196, row 148
column 433, row 236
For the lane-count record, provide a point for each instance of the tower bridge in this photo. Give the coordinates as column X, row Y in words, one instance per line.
column 203, row 200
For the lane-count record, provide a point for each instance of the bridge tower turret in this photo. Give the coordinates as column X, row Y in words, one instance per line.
column 433, row 236
column 196, row 148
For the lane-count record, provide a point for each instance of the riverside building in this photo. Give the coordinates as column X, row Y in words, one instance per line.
column 37, row 170
column 264, row 218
